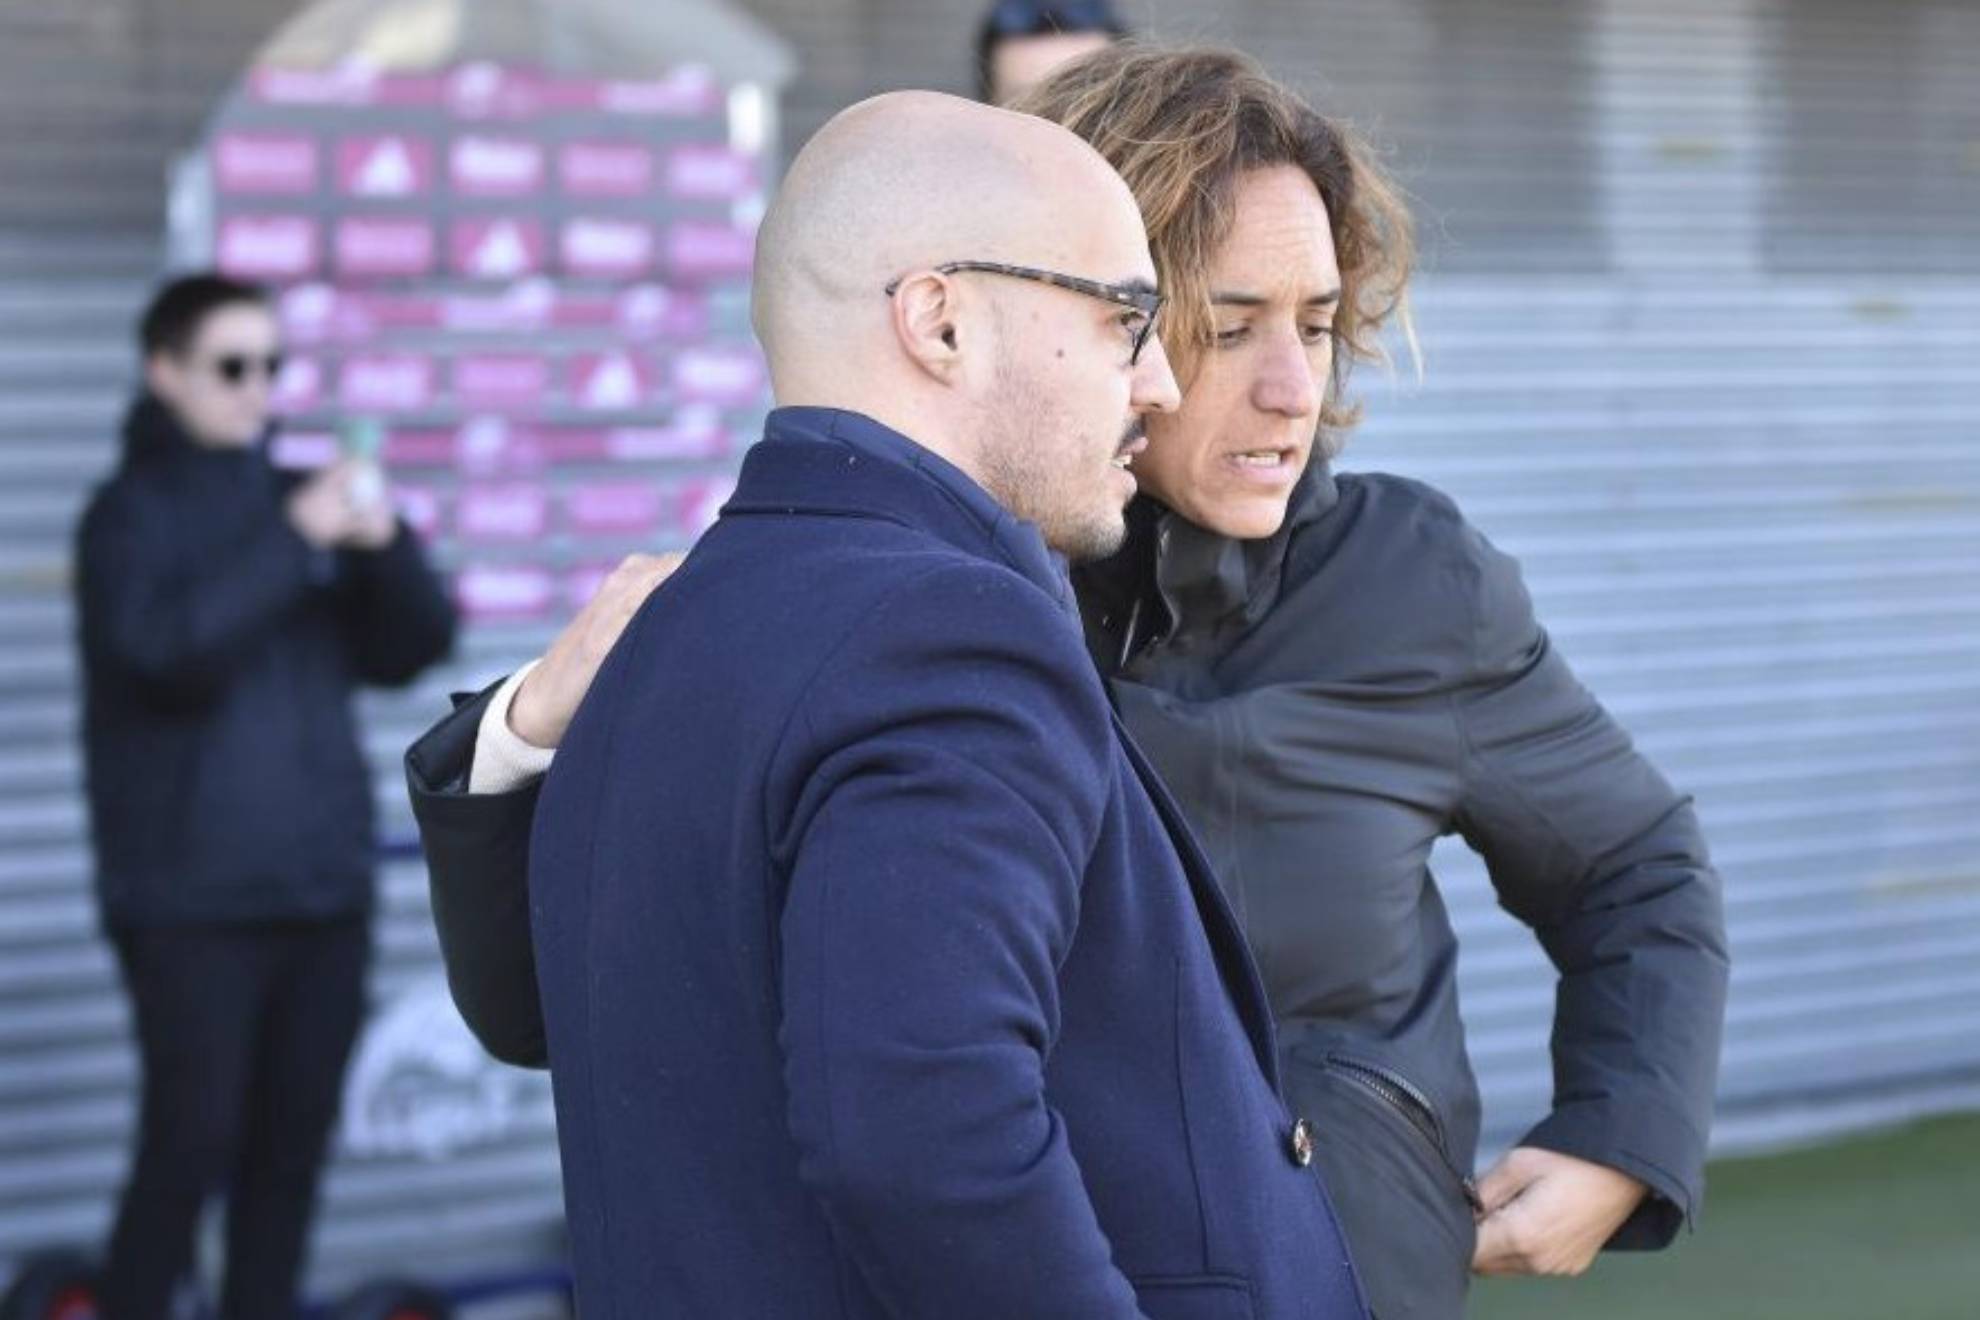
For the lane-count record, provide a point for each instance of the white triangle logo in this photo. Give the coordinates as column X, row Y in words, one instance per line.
column 613, row 384
column 387, row 172
column 502, row 252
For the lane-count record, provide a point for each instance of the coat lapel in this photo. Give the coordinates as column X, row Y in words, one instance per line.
column 1227, row 941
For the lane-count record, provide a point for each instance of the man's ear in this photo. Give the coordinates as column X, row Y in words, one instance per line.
column 926, row 313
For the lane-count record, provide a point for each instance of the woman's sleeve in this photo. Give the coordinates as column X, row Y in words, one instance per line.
column 1589, row 845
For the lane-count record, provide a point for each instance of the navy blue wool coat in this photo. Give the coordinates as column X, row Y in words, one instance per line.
column 880, row 976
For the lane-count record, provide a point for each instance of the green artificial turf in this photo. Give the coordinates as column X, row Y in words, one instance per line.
column 1879, row 1228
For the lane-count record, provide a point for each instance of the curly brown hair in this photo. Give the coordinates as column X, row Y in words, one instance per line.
column 1182, row 125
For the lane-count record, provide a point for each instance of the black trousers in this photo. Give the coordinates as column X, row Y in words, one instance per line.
column 243, row 1033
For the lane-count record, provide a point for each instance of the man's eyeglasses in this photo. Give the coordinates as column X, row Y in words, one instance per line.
column 236, row 368
column 1144, row 304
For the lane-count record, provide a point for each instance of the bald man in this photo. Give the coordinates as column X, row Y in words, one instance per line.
column 879, row 976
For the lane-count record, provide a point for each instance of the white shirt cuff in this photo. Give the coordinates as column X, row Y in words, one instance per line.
column 503, row 761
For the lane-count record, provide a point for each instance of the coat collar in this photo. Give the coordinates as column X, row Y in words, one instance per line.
column 838, row 463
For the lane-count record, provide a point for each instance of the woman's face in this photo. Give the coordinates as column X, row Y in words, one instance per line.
column 1227, row 460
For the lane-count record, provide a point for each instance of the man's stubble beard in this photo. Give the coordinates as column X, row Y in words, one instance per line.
column 1025, row 440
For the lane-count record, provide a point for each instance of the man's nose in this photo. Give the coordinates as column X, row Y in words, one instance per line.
column 1155, row 388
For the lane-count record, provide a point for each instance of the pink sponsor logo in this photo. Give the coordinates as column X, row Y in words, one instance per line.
column 300, row 386
column 706, row 172
column 697, row 249
column 649, row 311
column 501, row 380
column 606, row 169
column 308, row 313
column 490, row 444
column 693, row 433
column 599, row 508
column 419, row 449
column 495, row 167
column 421, row 507
column 723, row 376
column 690, row 90
column 268, row 247
column 386, row 382
column 385, row 245
column 608, row 249
column 390, row 165
column 489, row 91
column 348, row 84
column 516, row 512
column 282, row 163
column 302, row 451
column 610, row 382
column 493, row 249
column 504, row 591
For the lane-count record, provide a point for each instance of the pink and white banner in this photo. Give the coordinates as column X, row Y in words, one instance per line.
column 345, row 85
column 496, row 249
column 302, row 451
column 700, row 250
column 726, row 376
column 606, row 169
column 501, row 381
column 496, row 166
column 610, row 382
column 300, row 386
column 267, row 247
column 386, row 382
column 385, row 246
column 651, row 311
column 282, row 164
column 388, row 165
column 516, row 512
column 632, row 508
column 707, row 172
column 491, row 445
column 419, row 449
column 504, row 591
column 606, row 248
column 694, row 433
column 684, row 92
column 492, row 91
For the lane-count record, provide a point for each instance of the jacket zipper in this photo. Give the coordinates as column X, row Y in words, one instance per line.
column 1403, row 1096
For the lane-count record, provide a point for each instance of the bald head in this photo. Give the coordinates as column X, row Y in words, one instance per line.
column 903, row 182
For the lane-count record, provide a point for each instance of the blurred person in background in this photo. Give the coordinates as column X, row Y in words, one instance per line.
column 1019, row 42
column 1330, row 670
column 228, row 613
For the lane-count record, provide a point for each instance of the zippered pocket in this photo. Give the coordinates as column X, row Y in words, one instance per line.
column 1413, row 1107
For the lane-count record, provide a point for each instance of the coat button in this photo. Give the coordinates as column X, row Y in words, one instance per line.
column 1300, row 1143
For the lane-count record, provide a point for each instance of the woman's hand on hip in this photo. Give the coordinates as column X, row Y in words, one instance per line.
column 1549, row 1213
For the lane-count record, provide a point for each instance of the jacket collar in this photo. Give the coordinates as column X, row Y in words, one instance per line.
column 838, row 463
column 1204, row 582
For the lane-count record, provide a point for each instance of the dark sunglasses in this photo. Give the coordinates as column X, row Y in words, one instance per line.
column 1145, row 303
column 235, row 368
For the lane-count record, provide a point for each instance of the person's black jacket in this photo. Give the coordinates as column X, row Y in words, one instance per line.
column 1324, row 704
column 220, row 653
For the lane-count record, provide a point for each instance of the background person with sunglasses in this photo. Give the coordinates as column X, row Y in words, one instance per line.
column 228, row 612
